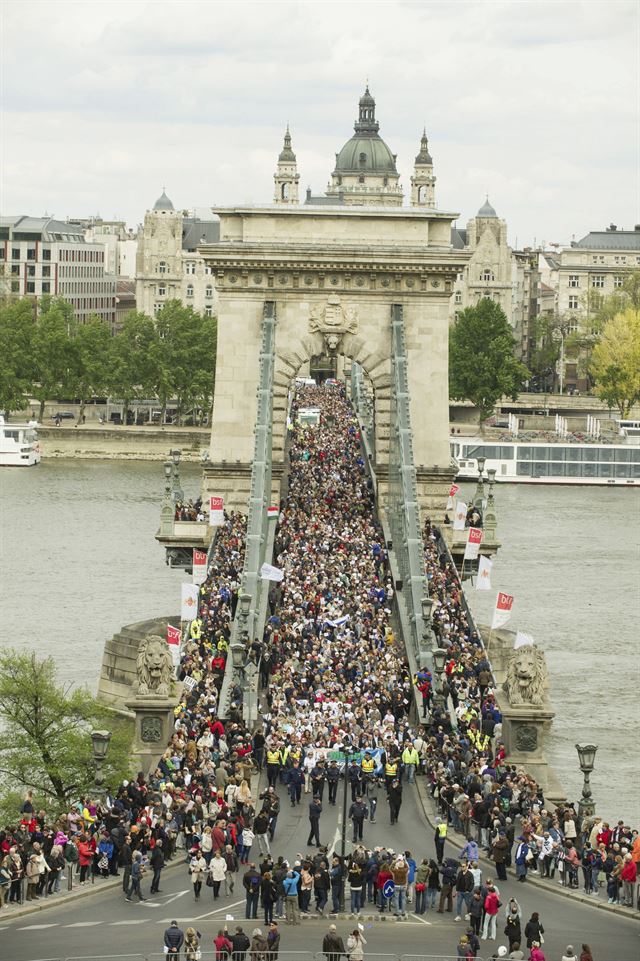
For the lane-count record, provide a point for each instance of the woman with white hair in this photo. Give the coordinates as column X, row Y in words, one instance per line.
column 258, row 949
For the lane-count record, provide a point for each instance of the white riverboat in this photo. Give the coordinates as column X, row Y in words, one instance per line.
column 19, row 444
column 547, row 462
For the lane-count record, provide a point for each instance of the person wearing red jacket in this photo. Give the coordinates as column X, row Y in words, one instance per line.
column 222, row 945
column 384, row 875
column 491, row 907
column 85, row 856
column 628, row 876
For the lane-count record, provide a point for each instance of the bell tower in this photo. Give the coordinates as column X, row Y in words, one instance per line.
column 423, row 182
column 286, row 176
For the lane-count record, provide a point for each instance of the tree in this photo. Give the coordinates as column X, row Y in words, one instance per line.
column 482, row 364
column 17, row 331
column 92, row 342
column 187, row 357
column 45, row 728
column 132, row 359
column 615, row 366
column 53, row 351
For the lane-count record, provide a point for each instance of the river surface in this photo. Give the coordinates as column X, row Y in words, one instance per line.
column 79, row 560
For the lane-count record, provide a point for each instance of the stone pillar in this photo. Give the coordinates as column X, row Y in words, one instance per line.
column 524, row 728
column 153, row 728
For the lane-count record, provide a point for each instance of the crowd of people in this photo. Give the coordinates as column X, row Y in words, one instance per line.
column 189, row 511
column 339, row 694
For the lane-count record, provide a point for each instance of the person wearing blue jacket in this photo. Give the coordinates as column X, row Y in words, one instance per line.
column 411, row 878
column 291, row 883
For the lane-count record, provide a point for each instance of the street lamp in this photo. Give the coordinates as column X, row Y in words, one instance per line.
column 479, row 494
column 100, row 744
column 489, row 521
column 178, row 493
column 427, row 631
column 346, row 751
column 586, row 758
column 439, row 659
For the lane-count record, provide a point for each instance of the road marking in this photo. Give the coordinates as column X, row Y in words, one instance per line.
column 38, row 927
column 113, row 924
column 418, row 918
column 174, row 897
column 83, row 924
column 224, row 907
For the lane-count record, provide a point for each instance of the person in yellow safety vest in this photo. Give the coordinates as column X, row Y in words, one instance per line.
column 223, row 645
column 439, row 839
column 410, row 762
column 368, row 765
column 482, row 741
column 274, row 760
column 195, row 631
column 390, row 770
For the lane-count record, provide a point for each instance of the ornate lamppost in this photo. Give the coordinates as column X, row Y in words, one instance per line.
column 427, row 630
column 478, row 497
column 586, row 757
column 178, row 493
column 100, row 744
column 167, row 511
column 490, row 522
column 439, row 660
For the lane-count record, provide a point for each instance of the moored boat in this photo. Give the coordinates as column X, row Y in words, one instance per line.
column 19, row 444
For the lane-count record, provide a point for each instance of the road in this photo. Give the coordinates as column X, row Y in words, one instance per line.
column 106, row 925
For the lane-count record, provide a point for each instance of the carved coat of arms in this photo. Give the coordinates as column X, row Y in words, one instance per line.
column 333, row 320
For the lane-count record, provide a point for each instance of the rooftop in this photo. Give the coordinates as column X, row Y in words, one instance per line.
column 610, row 239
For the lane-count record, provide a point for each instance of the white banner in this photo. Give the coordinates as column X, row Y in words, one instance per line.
column 189, row 682
column 189, row 605
column 523, row 639
column 472, row 547
column 270, row 573
column 502, row 612
column 453, row 490
column 199, row 566
column 460, row 516
column 483, row 582
column 216, row 511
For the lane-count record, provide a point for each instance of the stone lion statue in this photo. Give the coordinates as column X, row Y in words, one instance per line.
column 154, row 667
column 526, row 676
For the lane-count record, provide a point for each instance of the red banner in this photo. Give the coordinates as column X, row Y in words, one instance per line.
column 173, row 635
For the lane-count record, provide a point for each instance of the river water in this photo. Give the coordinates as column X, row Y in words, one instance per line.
column 79, row 560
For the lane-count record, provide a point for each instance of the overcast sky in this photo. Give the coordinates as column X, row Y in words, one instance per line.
column 535, row 103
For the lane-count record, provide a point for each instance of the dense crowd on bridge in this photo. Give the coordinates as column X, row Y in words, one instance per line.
column 338, row 693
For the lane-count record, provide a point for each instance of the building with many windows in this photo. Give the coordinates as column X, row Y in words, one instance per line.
column 120, row 243
column 168, row 265
column 40, row 256
column 597, row 264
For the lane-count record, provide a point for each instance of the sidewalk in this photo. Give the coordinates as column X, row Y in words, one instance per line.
column 11, row 911
column 427, row 804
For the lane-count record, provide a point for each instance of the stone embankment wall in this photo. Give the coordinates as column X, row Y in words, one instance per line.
column 123, row 443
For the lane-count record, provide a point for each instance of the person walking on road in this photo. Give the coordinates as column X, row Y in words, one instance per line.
column 137, row 872
column 198, row 871
column 315, row 810
column 357, row 813
column 533, row 930
column 157, row 863
column 395, row 800
column 217, row 872
column 333, row 945
column 512, row 928
column 439, row 839
column 491, row 908
column 173, row 941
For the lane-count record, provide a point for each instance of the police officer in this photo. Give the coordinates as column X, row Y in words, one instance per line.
column 358, row 812
column 318, row 777
column 315, row 810
column 355, row 779
column 390, row 771
column 439, row 839
column 372, row 797
column 296, row 780
column 333, row 778
column 274, row 760
column 395, row 799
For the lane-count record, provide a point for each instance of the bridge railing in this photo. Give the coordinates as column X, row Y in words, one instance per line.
column 403, row 508
column 364, row 406
column 250, row 615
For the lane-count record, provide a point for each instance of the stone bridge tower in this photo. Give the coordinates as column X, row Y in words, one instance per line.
column 334, row 267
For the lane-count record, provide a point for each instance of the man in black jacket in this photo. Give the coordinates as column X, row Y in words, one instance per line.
column 126, row 860
column 240, row 942
column 333, row 778
column 358, row 812
column 315, row 810
column 173, row 940
column 157, row 863
column 333, row 945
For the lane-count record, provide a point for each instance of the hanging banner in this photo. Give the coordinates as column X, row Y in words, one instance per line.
column 522, row 640
column 199, row 566
column 216, row 511
column 174, row 636
column 502, row 612
column 460, row 516
column 453, row 490
column 273, row 513
column 270, row 573
column 189, row 682
column 473, row 544
column 483, row 582
column 189, row 605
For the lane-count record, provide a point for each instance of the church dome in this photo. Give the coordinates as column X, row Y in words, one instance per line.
column 163, row 203
column 366, row 152
column 487, row 210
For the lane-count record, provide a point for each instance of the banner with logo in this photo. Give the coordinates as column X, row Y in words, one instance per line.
column 174, row 636
column 483, row 582
column 473, row 544
column 453, row 490
column 189, row 605
column 502, row 612
column 216, row 511
column 199, row 566
column 460, row 516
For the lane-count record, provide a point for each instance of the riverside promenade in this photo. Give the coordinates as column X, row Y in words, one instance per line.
column 328, row 676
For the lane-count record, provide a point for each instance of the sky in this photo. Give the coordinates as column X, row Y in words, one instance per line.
column 533, row 103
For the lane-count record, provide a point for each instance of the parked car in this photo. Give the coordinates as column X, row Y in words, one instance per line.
column 63, row 415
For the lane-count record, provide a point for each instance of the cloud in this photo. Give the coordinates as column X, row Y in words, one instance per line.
column 107, row 102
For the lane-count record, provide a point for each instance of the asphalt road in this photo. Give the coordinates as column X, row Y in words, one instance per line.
column 105, row 925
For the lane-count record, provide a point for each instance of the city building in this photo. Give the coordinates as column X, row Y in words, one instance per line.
column 168, row 264
column 40, row 256
column 595, row 265
column 120, row 243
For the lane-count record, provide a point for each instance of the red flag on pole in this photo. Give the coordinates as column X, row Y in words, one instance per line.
column 502, row 612
column 473, row 544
